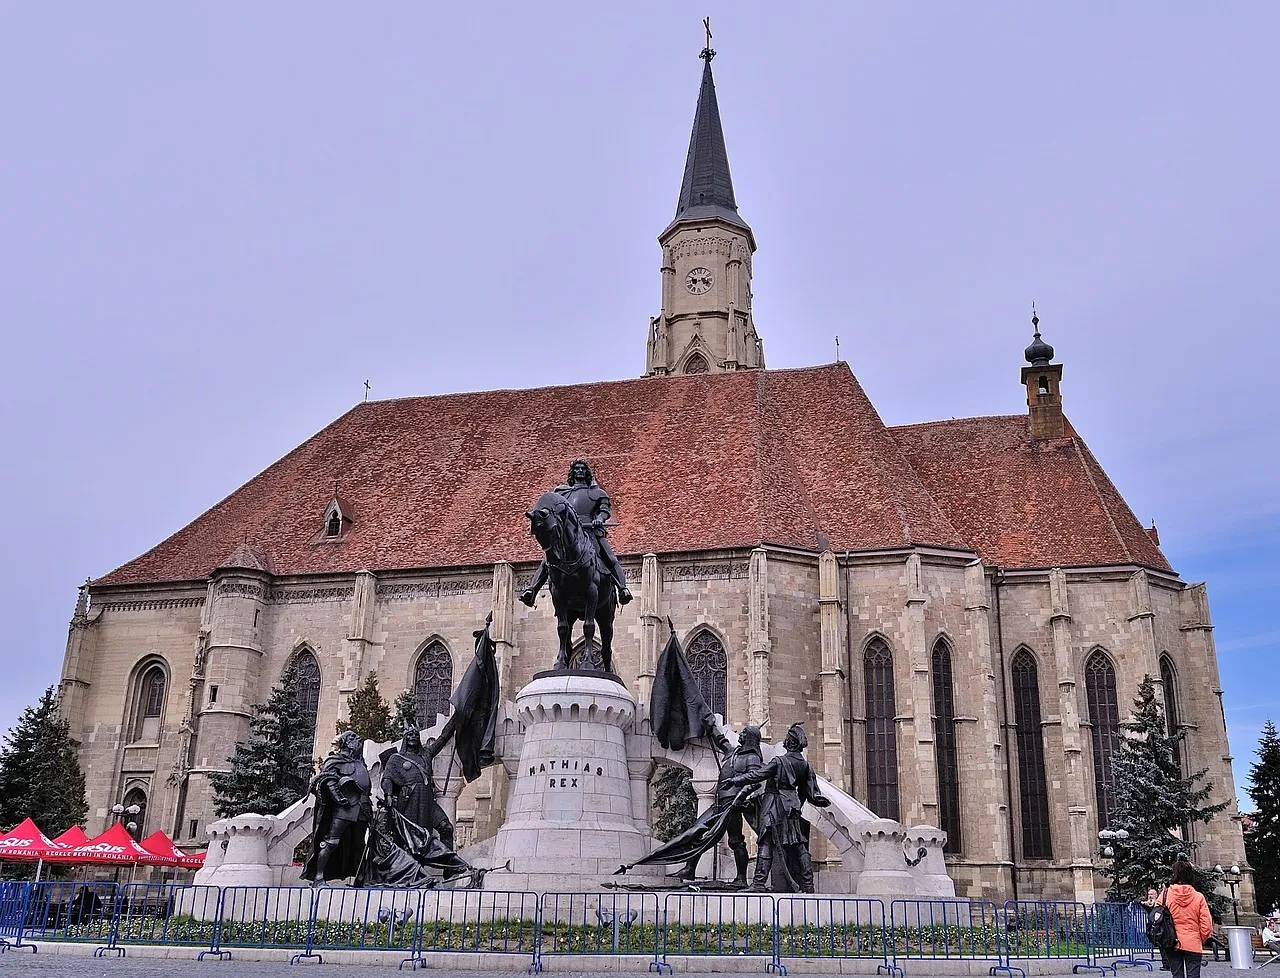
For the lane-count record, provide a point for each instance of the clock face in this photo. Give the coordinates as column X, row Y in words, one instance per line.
column 699, row 280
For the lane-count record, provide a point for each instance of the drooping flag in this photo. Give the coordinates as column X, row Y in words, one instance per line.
column 676, row 707
column 475, row 704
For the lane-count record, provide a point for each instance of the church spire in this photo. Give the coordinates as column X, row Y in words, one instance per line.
column 706, row 192
column 706, row 324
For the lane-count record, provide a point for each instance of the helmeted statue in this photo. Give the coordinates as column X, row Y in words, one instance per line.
column 342, row 813
column 593, row 506
column 743, row 760
column 789, row 782
column 409, row 787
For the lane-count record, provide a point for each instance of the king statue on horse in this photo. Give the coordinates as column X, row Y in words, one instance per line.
column 587, row 582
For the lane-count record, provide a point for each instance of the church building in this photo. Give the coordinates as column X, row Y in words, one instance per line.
column 961, row 612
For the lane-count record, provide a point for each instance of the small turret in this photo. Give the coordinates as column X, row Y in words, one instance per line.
column 1041, row 379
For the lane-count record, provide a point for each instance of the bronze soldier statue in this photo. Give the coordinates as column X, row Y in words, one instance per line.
column 409, row 787
column 743, row 760
column 593, row 507
column 789, row 782
column 342, row 813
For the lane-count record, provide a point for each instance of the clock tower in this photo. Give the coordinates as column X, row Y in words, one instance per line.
column 705, row 324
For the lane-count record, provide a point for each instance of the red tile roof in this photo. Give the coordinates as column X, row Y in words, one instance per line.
column 790, row 457
column 1026, row 504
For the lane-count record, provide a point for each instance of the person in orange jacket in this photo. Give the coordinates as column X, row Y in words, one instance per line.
column 1190, row 913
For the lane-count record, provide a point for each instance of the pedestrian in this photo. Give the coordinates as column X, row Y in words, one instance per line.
column 1153, row 897
column 1191, row 919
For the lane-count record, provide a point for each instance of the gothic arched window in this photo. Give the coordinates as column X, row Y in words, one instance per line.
column 882, row 735
column 586, row 656
column 944, row 745
column 1104, row 714
column 696, row 364
column 1033, row 787
column 432, row 683
column 710, row 668
column 1172, row 713
column 306, row 692
column 149, row 708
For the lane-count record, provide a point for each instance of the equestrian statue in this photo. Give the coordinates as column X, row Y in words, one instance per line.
column 587, row 582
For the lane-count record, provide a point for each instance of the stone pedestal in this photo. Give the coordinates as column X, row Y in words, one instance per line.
column 571, row 815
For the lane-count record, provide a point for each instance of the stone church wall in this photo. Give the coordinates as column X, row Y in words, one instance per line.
column 767, row 608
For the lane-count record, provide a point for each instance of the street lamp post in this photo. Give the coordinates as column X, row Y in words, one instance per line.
column 120, row 810
column 1232, row 879
column 1108, row 839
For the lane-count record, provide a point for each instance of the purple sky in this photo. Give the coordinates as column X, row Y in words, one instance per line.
column 218, row 220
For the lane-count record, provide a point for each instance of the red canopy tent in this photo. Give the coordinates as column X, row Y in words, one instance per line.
column 74, row 836
column 27, row 842
column 160, row 844
column 115, row 847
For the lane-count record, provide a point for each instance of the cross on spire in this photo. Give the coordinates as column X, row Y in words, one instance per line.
column 707, row 54
column 366, row 389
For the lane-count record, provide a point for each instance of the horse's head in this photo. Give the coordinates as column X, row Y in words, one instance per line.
column 547, row 519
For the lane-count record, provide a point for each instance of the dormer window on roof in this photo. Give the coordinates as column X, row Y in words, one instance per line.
column 337, row 518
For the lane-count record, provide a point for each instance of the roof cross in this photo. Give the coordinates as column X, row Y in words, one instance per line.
column 707, row 54
column 366, row 389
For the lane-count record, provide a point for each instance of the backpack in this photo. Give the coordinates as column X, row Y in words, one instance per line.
column 1160, row 928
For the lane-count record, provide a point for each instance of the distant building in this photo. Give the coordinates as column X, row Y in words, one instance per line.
column 961, row 611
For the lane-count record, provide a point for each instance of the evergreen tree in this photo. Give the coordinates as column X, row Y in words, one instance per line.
column 675, row 803
column 367, row 712
column 406, row 712
column 1154, row 800
column 1262, row 841
column 40, row 774
column 273, row 769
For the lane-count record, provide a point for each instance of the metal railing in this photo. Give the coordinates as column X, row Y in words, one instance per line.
column 14, row 895
column 736, row 924
column 655, row 928
column 612, row 923
column 833, row 927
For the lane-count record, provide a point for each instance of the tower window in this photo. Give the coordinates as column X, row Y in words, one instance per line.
column 150, row 705
column 696, row 364
column 1043, row 385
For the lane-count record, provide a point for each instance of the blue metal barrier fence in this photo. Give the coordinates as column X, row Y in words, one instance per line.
column 833, row 927
column 14, row 895
column 647, row 925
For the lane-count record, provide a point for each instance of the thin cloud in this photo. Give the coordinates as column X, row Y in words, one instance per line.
column 1250, row 642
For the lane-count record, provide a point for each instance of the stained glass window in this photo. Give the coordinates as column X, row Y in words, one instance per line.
column 1104, row 714
column 944, row 746
column 882, row 737
column 1172, row 713
column 1033, row 788
column 306, row 690
column 710, row 668
column 433, row 683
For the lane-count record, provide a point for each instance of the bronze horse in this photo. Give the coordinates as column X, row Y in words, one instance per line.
column 581, row 588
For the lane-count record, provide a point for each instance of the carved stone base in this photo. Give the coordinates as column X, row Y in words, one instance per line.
column 571, row 813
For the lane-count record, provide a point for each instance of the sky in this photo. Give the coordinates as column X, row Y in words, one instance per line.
column 217, row 221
